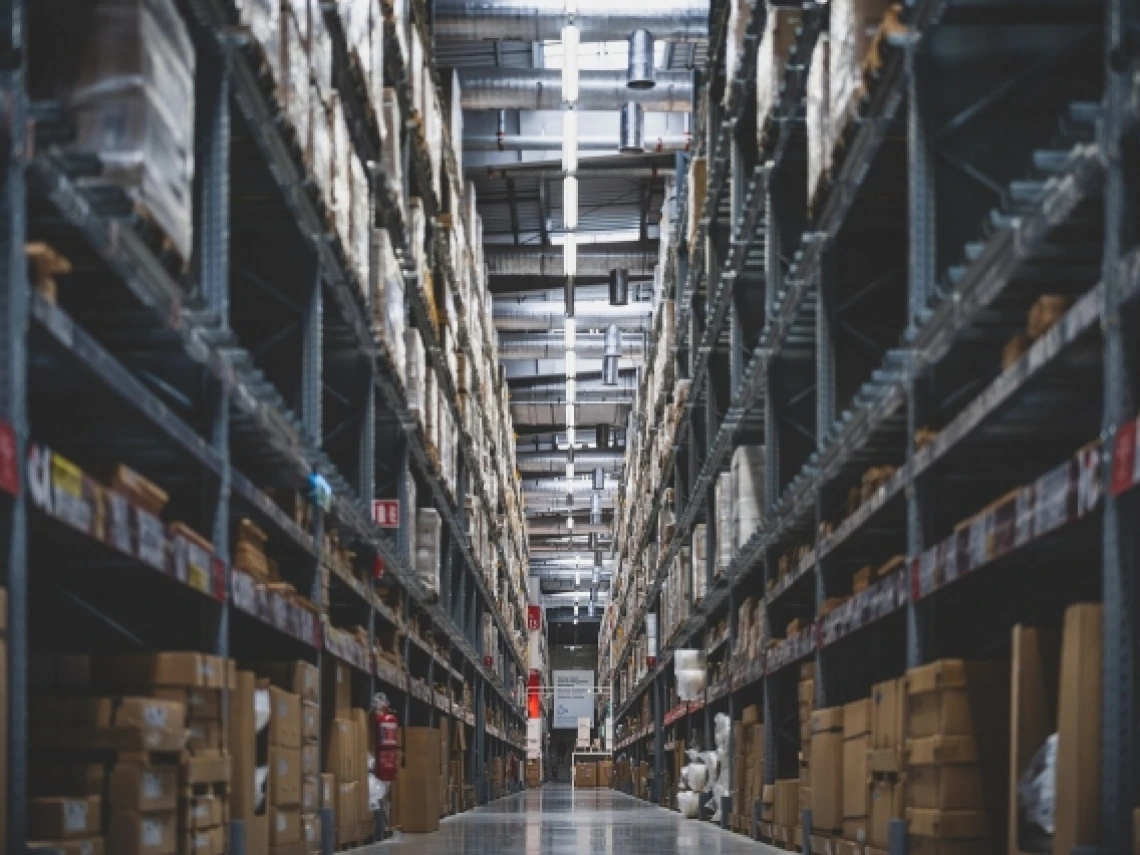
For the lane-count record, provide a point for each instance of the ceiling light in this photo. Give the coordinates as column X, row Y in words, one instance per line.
column 571, row 364
column 570, row 202
column 577, row 579
column 570, row 256
column 570, row 473
column 571, row 437
column 570, row 523
column 569, row 333
column 571, row 390
column 570, row 42
column 569, row 415
column 570, row 141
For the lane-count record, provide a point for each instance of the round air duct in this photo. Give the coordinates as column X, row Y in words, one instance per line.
column 599, row 478
column 611, row 355
column 632, row 140
column 641, row 74
column 619, row 287
column 569, row 296
column 595, row 509
column 603, row 436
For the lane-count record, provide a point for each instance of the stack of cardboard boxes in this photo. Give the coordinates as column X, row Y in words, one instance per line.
column 857, row 718
column 885, row 790
column 748, row 739
column 133, row 747
column 806, row 695
column 957, row 748
column 826, row 770
column 415, row 804
column 585, row 774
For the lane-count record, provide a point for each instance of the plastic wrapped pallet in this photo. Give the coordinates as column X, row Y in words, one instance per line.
column 852, row 31
column 262, row 18
column 420, row 79
column 388, row 299
column 820, row 140
column 697, row 186
column 320, row 52
column 295, row 88
column 431, row 403
column 342, row 181
column 360, row 227
column 747, row 492
column 428, row 525
column 771, row 56
column 433, row 132
column 322, row 151
column 699, row 559
column 364, row 36
column 416, row 373
column 133, row 105
column 738, row 15
column 391, row 151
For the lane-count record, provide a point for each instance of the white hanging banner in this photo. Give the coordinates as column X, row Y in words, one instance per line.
column 573, row 698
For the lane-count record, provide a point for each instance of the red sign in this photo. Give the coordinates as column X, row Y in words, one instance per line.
column 1124, row 459
column 377, row 567
column 9, row 468
column 534, row 618
column 489, row 661
column 386, row 513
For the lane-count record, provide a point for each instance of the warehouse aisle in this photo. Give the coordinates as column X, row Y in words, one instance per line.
column 557, row 820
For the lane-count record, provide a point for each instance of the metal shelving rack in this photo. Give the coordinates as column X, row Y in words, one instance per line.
column 835, row 365
column 177, row 370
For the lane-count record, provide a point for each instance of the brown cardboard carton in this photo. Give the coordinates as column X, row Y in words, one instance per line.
column 297, row 848
column 89, row 846
column 827, row 769
column 311, row 762
column 346, row 808
column 143, row 788
column 888, row 716
column 947, row 824
column 585, row 775
column 360, row 760
column 142, row 724
column 887, row 803
column 243, row 743
column 211, row 767
column 310, row 722
column 201, row 812
column 310, row 795
column 311, row 831
column 786, row 802
column 284, row 777
column 750, row 715
column 934, row 750
column 956, row 697
column 339, row 760
column 1034, row 673
column 205, row 735
column 934, row 846
column 64, row 818
column 203, row 841
column 177, row 668
column 328, row 791
column 1078, row 729
column 257, row 835
column 855, row 830
column 284, row 718
column 953, row 786
column 855, row 777
column 342, row 692
column 133, row 833
column 419, row 774
column 298, row 677
column 201, row 704
column 284, row 825
column 857, row 718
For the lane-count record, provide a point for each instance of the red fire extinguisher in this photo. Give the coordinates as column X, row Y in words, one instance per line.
column 387, row 740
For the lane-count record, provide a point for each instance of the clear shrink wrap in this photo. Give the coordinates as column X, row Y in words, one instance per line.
column 747, row 492
column 133, row 106
column 322, row 151
column 262, row 18
column 725, row 544
column 391, row 153
column 417, row 370
column 433, row 132
column 819, row 138
column 388, row 299
column 738, row 15
column 699, row 558
column 320, row 52
column 294, row 85
column 428, row 526
column 342, row 181
column 771, row 56
column 851, row 34
column 361, row 223
column 431, row 405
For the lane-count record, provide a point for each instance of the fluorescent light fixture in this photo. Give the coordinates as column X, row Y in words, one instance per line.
column 570, row 141
column 571, row 437
column 569, row 333
column 571, row 7
column 570, row 41
column 570, row 256
column 569, row 523
column 570, row 415
column 571, row 364
column 570, row 202
column 570, row 474
column 571, row 390
column 575, row 619
column 577, row 579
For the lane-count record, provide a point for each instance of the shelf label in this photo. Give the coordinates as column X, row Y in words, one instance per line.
column 386, row 513
column 9, row 465
column 534, row 618
column 1125, row 458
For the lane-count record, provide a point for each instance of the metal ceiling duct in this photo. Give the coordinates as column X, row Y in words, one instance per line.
column 632, row 137
column 552, row 462
column 503, row 261
column 525, row 142
column 619, row 286
column 553, row 346
column 490, row 88
column 602, row 436
column 641, row 73
column 543, row 20
column 611, row 356
column 558, row 529
column 633, row 173
column 588, row 316
column 589, row 391
column 596, row 508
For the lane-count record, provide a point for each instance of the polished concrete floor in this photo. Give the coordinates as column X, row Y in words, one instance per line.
column 556, row 820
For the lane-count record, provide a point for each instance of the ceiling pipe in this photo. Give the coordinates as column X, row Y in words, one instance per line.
column 631, row 140
column 543, row 20
column 552, row 462
column 518, row 317
column 611, row 356
column 641, row 75
column 548, row 262
column 489, row 88
column 619, row 286
column 553, row 346
column 589, row 392
column 525, row 142
column 632, row 173
column 559, row 529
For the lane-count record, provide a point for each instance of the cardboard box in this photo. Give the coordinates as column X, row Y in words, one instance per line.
column 177, row 668
column 243, row 743
column 934, row 846
column 297, row 677
column 310, row 795
column 827, row 769
column 887, row 803
column 201, row 704
column 857, row 717
column 342, row 689
column 204, row 841
column 419, row 778
column 297, row 848
column 133, row 833
column 64, row 818
column 953, row 696
column 205, row 736
column 284, row 825
column 605, row 773
column 284, row 777
column 954, row 786
column 1034, row 672
column 888, row 715
column 855, row 830
column 211, row 767
column 310, row 722
column 339, row 759
column 328, row 791
column 201, row 812
column 284, row 718
column 585, row 775
column 1077, row 809
column 142, row 724
column 855, row 775
column 936, row 750
column 346, row 802
column 947, row 824
column 143, row 789
column 311, row 762
column 89, row 846
column 786, row 802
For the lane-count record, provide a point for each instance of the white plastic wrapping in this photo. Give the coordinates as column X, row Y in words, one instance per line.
column 294, row 85
column 738, row 15
column 771, row 56
column 341, row 177
column 428, row 524
column 1037, row 791
column 416, row 373
column 690, row 667
column 322, row 150
column 387, row 299
column 747, row 492
column 133, row 105
column 820, row 140
column 320, row 52
column 688, row 803
column 699, row 552
column 852, row 30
